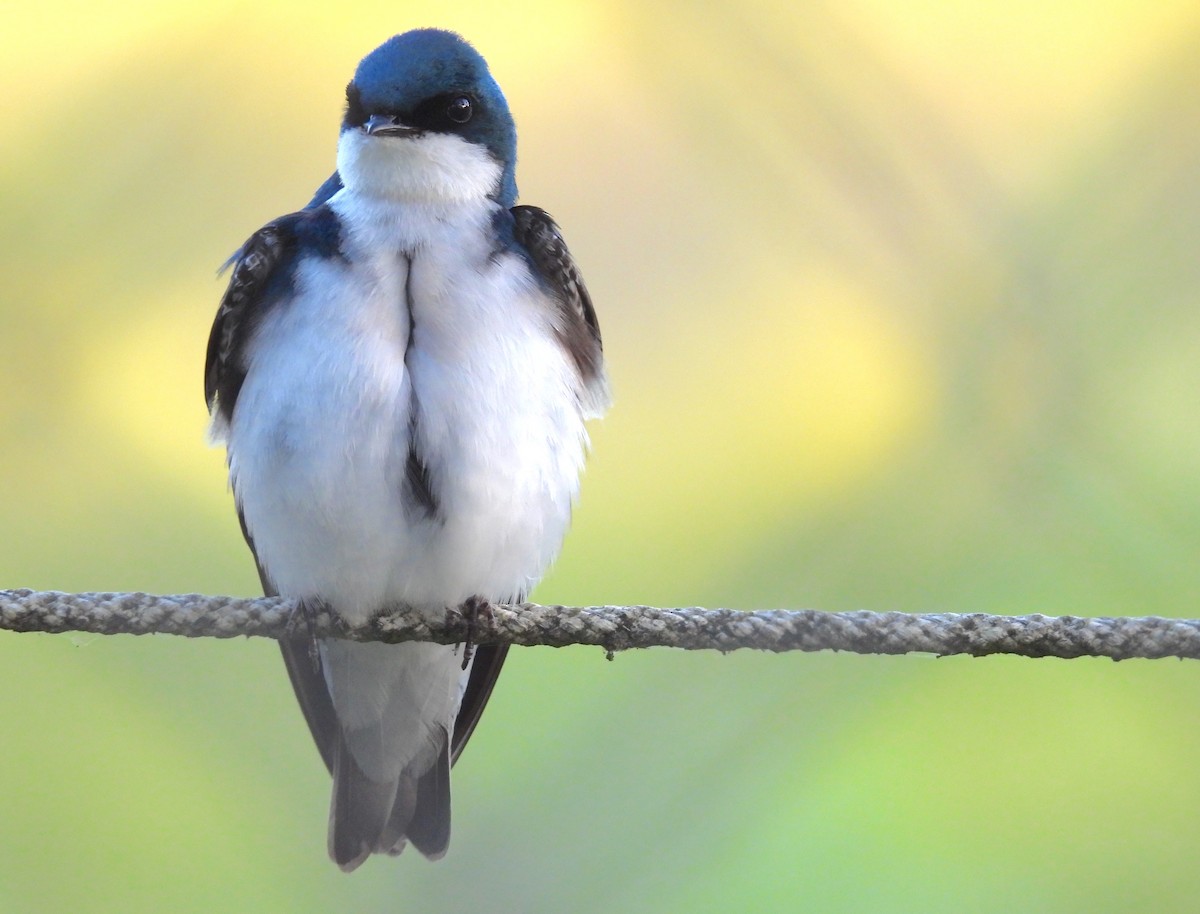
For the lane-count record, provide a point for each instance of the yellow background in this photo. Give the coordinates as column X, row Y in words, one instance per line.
column 900, row 301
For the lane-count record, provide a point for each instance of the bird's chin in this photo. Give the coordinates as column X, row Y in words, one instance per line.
column 420, row 167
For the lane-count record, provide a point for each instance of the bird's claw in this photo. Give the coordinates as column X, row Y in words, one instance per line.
column 472, row 610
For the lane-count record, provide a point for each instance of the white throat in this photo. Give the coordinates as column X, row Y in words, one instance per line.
column 430, row 168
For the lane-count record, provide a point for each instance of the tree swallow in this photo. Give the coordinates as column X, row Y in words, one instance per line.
column 401, row 373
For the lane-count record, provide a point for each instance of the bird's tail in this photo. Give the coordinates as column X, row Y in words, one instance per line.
column 368, row 816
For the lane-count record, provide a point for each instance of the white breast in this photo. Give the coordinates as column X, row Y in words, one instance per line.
column 320, row 433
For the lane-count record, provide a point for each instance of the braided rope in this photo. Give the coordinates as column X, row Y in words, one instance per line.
column 615, row 627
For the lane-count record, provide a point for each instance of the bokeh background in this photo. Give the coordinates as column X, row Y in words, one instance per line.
column 900, row 300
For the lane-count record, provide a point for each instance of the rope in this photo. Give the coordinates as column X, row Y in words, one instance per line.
column 613, row 628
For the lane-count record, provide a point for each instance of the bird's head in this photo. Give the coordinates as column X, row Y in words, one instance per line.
column 425, row 121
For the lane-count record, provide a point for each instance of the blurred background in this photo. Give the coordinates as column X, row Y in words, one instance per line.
column 900, row 301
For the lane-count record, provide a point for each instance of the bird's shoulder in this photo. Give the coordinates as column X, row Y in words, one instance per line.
column 578, row 329
column 260, row 278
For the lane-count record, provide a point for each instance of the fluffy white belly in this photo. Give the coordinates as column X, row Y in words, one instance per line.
column 320, row 436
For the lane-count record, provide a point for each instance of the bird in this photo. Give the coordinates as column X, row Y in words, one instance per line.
column 401, row 373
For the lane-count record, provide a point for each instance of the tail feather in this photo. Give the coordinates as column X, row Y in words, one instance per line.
column 369, row 816
column 359, row 811
column 394, row 838
column 429, row 825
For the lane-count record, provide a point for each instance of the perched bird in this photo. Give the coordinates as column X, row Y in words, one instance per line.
column 401, row 373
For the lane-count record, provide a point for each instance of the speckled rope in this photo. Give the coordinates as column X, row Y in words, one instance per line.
column 617, row 627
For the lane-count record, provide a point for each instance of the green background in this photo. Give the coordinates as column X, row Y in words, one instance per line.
column 900, row 304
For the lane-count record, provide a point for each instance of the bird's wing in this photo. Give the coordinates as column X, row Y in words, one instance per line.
column 579, row 332
column 304, row 669
column 242, row 305
column 261, row 275
column 575, row 323
column 485, row 667
column 312, row 693
column 261, row 279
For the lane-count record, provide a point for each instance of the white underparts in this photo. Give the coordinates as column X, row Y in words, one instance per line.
column 423, row 325
column 428, row 168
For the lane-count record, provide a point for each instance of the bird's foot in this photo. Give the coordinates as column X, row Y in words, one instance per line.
column 472, row 610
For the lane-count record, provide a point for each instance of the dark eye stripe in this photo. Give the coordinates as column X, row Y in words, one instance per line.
column 356, row 115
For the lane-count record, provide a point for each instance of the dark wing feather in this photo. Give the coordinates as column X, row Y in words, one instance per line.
column 262, row 278
column 241, row 307
column 577, row 327
column 308, row 682
column 304, row 671
column 485, row 668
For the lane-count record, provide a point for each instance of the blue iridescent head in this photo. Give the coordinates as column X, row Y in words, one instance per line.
column 429, row 87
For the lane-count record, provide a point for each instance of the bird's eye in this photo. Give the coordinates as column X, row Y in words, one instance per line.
column 460, row 109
